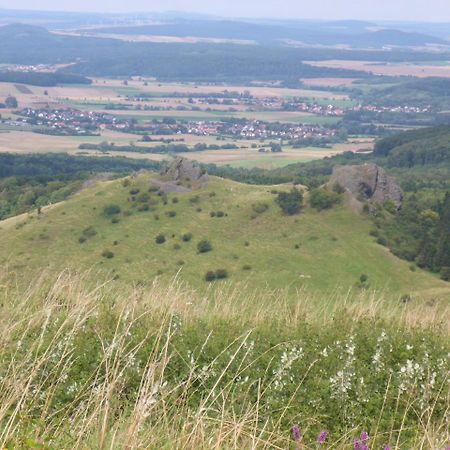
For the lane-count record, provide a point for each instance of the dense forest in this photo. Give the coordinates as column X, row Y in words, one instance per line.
column 45, row 79
column 422, row 92
column 417, row 147
column 33, row 181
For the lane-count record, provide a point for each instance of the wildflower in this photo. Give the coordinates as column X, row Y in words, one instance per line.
column 296, row 433
column 322, row 437
column 357, row 445
column 364, row 436
column 386, row 447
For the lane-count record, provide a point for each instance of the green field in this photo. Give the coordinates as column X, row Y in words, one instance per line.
column 320, row 252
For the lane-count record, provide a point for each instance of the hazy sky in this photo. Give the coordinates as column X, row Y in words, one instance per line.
column 423, row 10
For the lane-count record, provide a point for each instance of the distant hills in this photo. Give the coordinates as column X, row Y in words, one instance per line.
column 352, row 34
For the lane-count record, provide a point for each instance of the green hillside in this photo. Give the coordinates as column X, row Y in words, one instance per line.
column 257, row 247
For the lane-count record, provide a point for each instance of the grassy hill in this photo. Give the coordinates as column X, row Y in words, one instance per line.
column 320, row 252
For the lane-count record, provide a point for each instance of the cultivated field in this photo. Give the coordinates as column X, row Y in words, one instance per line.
column 388, row 69
column 245, row 156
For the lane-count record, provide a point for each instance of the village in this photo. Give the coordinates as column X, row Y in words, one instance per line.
column 75, row 122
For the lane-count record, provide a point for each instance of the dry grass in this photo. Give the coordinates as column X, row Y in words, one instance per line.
column 160, row 415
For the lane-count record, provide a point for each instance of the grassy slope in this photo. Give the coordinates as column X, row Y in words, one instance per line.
column 334, row 247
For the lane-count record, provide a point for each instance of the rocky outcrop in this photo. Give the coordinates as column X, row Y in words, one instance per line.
column 184, row 170
column 368, row 183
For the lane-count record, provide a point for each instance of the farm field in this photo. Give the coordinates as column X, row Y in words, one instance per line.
column 389, row 69
column 29, row 142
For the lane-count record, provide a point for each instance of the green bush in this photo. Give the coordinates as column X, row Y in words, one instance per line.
column 108, row 254
column 111, row 210
column 204, row 246
column 323, row 198
column 291, row 202
column 89, row 232
column 210, row 276
column 445, row 273
column 260, row 207
column 160, row 239
column 171, row 213
column 186, row 237
column 221, row 274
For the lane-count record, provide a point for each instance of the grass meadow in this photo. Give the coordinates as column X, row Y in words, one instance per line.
column 90, row 365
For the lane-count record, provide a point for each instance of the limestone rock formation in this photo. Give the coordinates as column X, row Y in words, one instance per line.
column 182, row 169
column 368, row 183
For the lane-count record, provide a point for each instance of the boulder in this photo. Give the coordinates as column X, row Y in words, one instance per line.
column 367, row 183
column 183, row 169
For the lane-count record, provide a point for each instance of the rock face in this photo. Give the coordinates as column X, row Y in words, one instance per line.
column 182, row 169
column 368, row 183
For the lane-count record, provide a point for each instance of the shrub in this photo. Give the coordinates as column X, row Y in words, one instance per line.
column 247, row 267
column 144, row 207
column 445, row 273
column 176, row 246
column 220, row 214
column 171, row 213
column 291, row 202
column 212, row 214
column 194, row 199
column 134, row 191
column 186, row 237
column 323, row 198
column 363, row 278
column 111, row 210
column 260, row 207
column 143, row 198
column 108, row 254
column 210, row 276
column 89, row 232
column 175, row 200
column 338, row 188
column 204, row 246
column 221, row 274
column 160, row 239
column 81, row 239
column 115, row 220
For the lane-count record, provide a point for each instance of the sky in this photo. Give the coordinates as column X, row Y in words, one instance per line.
column 408, row 10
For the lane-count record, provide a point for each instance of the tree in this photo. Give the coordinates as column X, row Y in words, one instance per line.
column 291, row 202
column 11, row 102
column 442, row 258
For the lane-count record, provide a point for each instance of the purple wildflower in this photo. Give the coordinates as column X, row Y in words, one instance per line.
column 357, row 445
column 386, row 447
column 364, row 436
column 322, row 437
column 296, row 433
